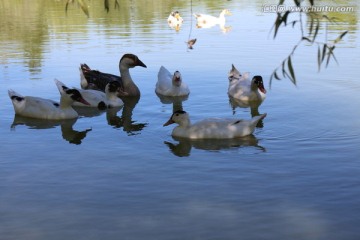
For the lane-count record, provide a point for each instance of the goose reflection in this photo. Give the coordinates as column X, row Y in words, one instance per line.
column 253, row 105
column 126, row 122
column 183, row 147
column 67, row 131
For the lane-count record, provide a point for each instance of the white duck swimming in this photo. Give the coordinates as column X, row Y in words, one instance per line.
column 240, row 86
column 212, row 128
column 96, row 98
column 207, row 21
column 93, row 79
column 41, row 108
column 170, row 84
column 175, row 20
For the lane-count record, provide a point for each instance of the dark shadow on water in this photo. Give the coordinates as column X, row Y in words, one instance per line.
column 125, row 121
column 67, row 131
column 183, row 147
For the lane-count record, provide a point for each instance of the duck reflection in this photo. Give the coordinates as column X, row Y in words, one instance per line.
column 208, row 21
column 253, row 105
column 130, row 126
column 175, row 20
column 67, row 130
column 184, row 146
column 175, row 101
column 88, row 111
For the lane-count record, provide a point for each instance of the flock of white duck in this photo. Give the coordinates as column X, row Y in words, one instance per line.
column 104, row 90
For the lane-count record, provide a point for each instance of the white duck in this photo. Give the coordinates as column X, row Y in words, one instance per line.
column 207, row 21
column 212, row 128
column 175, row 20
column 240, row 86
column 97, row 98
column 170, row 84
column 41, row 108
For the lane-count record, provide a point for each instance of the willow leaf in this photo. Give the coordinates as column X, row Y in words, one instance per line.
column 291, row 70
column 323, row 52
column 338, row 39
column 276, row 76
column 319, row 58
column 311, row 25
column 316, row 29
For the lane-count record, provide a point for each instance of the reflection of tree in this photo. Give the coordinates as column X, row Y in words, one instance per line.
column 22, row 22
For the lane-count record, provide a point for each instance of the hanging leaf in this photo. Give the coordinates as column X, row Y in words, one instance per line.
column 319, row 58
column 276, row 76
column 306, row 39
column 277, row 24
column 316, row 29
column 338, row 39
column 323, row 53
column 311, row 25
column 284, row 17
column 291, row 70
column 311, row 2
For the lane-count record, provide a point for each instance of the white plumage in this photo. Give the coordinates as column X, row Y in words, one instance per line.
column 97, row 98
column 42, row 108
column 244, row 89
column 213, row 128
column 170, row 84
column 208, row 21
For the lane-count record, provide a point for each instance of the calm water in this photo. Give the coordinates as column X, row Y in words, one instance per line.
column 120, row 174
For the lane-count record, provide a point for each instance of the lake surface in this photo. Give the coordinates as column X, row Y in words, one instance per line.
column 120, row 175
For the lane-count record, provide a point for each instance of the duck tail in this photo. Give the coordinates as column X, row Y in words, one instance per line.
column 84, row 69
column 256, row 119
column 61, row 86
column 14, row 96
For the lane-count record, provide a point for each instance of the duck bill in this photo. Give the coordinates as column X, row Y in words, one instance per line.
column 168, row 122
column 83, row 101
column 140, row 63
column 262, row 89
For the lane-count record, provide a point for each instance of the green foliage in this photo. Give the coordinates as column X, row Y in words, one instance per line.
column 325, row 49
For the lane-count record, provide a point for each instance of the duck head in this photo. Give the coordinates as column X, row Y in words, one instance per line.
column 226, row 12
column 257, row 82
column 69, row 95
column 177, row 79
column 176, row 15
column 234, row 74
column 180, row 117
column 131, row 61
column 75, row 95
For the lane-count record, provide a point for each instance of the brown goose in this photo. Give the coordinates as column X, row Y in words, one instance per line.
column 94, row 79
